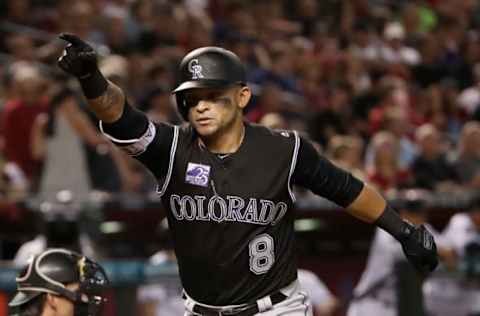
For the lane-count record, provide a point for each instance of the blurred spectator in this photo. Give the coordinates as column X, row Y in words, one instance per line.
column 394, row 96
column 20, row 111
column 413, row 21
column 305, row 13
column 450, row 34
column 334, row 119
column 140, row 18
column 469, row 98
column 397, row 123
column 159, row 75
column 394, row 49
column 431, row 169
column 281, row 72
column 200, row 32
column 324, row 303
column 363, row 45
column 116, row 35
column 158, row 105
column 463, row 70
column 383, row 168
column 454, row 115
column 467, row 164
column 21, row 47
column 239, row 23
column 347, row 152
column 57, row 139
column 19, row 11
column 431, row 69
column 458, row 296
column 80, row 18
column 357, row 75
column 269, row 101
column 158, row 28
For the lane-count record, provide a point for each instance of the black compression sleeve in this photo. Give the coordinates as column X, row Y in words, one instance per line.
column 316, row 173
column 132, row 124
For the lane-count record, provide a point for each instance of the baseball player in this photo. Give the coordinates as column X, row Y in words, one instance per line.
column 226, row 185
column 59, row 282
column 459, row 296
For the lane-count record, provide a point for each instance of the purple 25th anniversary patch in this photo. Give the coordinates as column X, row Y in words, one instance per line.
column 197, row 174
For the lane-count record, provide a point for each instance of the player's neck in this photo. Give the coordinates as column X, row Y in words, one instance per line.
column 227, row 141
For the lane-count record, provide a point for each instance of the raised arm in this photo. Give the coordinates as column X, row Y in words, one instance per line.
column 104, row 98
column 121, row 123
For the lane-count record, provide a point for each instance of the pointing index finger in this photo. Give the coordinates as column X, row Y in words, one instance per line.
column 73, row 39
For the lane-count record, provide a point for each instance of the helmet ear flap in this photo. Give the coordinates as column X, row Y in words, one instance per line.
column 181, row 106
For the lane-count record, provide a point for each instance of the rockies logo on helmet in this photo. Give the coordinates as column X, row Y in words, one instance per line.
column 196, row 69
column 207, row 67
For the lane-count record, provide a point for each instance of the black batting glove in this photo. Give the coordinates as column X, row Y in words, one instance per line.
column 419, row 247
column 79, row 58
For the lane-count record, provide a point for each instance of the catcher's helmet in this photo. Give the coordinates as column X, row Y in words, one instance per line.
column 208, row 67
column 51, row 270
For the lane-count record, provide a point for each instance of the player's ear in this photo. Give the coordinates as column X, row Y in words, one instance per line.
column 243, row 96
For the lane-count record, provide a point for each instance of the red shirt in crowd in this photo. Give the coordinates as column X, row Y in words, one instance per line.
column 384, row 183
column 17, row 123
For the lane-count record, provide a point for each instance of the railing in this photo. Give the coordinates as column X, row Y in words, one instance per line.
column 121, row 273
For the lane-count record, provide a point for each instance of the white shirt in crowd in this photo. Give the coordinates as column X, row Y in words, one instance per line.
column 454, row 296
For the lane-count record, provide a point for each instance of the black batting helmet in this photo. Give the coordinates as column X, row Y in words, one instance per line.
column 208, row 67
column 51, row 270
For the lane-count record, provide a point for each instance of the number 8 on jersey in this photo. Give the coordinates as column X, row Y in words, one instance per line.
column 262, row 255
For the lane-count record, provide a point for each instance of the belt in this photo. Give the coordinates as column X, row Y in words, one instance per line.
column 249, row 310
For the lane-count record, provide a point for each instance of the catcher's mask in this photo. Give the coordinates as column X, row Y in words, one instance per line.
column 52, row 270
column 207, row 67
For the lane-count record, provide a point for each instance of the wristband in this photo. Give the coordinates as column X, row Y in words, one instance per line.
column 93, row 85
column 392, row 223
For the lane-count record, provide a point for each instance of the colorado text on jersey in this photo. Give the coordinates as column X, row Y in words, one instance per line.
column 233, row 209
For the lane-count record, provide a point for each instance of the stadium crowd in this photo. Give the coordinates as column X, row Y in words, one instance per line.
column 388, row 89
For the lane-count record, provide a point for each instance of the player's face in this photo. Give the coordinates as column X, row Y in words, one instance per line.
column 63, row 306
column 214, row 110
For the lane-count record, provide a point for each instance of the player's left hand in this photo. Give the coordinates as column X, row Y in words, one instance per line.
column 419, row 247
column 79, row 58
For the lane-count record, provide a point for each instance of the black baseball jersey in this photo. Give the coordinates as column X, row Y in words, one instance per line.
column 231, row 216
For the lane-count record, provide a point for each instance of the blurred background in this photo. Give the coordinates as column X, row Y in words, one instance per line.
column 387, row 89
